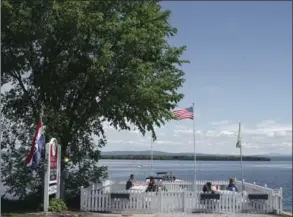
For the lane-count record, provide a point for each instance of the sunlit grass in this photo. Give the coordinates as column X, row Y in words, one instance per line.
column 19, row 215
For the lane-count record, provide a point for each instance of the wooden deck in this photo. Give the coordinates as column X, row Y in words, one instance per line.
column 181, row 197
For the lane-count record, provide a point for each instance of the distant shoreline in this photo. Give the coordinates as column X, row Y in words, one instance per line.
column 185, row 158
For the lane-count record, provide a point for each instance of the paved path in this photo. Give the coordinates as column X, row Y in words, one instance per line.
column 182, row 215
column 213, row 215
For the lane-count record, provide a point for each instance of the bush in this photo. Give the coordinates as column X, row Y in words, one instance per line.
column 19, row 206
column 56, row 205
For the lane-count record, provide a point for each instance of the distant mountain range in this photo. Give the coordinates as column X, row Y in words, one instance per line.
column 149, row 152
column 278, row 154
column 272, row 156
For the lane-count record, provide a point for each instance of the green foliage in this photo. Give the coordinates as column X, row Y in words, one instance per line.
column 57, row 205
column 170, row 157
column 61, row 55
column 29, row 205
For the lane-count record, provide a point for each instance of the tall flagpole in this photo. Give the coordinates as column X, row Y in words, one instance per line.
column 152, row 156
column 241, row 162
column 194, row 148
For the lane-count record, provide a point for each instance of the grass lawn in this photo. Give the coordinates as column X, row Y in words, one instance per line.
column 285, row 215
column 19, row 215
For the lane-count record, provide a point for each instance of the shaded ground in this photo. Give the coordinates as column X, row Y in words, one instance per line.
column 51, row 214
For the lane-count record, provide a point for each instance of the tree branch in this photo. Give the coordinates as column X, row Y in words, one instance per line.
column 17, row 76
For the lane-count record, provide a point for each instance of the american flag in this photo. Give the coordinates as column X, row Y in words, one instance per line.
column 185, row 113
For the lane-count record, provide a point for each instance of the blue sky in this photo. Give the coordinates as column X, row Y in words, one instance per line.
column 241, row 58
column 240, row 69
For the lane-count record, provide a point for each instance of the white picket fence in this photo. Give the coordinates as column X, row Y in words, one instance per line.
column 190, row 185
column 276, row 202
column 251, row 187
column 179, row 197
column 172, row 186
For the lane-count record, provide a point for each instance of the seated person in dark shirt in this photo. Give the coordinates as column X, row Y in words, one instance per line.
column 232, row 186
column 207, row 188
column 131, row 182
column 151, row 185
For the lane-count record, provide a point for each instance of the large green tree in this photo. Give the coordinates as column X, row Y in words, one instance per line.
column 83, row 63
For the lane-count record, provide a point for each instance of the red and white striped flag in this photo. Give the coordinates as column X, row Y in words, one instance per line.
column 185, row 113
column 34, row 156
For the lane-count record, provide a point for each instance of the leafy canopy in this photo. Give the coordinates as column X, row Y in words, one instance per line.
column 84, row 63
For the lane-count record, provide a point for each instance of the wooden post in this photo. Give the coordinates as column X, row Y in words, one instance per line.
column 92, row 205
column 281, row 201
column 58, row 172
column 47, row 176
column 161, row 201
column 183, row 201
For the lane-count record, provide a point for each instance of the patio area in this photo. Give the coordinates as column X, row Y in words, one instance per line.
column 180, row 197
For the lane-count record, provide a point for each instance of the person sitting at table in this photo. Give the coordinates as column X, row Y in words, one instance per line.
column 131, row 182
column 151, row 185
column 232, row 186
column 207, row 188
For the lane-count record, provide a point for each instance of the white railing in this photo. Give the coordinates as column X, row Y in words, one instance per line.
column 189, row 185
column 178, row 198
column 173, row 186
column 252, row 187
column 275, row 201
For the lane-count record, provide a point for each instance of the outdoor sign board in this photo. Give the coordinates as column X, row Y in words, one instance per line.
column 53, row 161
column 52, row 189
column 52, row 172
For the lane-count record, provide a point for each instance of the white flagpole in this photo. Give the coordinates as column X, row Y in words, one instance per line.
column 241, row 163
column 194, row 148
column 152, row 156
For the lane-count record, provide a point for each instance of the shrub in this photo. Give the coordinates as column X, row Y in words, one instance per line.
column 56, row 205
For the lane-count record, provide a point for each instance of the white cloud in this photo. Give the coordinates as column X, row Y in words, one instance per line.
column 217, row 123
column 228, row 133
column 265, row 123
column 218, row 137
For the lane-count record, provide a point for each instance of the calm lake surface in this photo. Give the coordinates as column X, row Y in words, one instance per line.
column 276, row 174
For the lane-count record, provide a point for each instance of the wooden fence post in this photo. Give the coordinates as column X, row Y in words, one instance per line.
column 281, row 200
column 93, row 198
column 183, row 201
column 161, row 201
column 269, row 207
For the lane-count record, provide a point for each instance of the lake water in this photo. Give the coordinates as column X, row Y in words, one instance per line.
column 275, row 174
